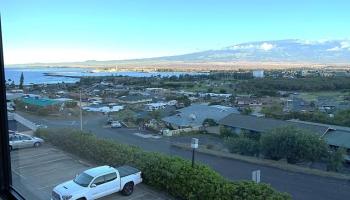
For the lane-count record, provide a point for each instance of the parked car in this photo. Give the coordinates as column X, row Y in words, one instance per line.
column 41, row 126
column 18, row 141
column 99, row 182
column 116, row 124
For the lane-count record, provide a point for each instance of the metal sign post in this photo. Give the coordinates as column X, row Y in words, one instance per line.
column 256, row 176
column 194, row 146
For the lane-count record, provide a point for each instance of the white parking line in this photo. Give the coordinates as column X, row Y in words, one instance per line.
column 18, row 174
column 43, row 163
column 22, row 157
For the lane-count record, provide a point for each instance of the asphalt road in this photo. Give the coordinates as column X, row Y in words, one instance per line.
column 300, row 186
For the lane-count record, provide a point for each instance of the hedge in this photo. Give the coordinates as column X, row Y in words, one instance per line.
column 171, row 174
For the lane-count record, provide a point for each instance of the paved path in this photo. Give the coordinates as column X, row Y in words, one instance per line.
column 300, row 186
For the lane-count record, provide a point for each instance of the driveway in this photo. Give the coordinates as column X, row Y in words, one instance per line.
column 36, row 171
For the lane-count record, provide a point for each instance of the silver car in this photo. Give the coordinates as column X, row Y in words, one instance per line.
column 18, row 141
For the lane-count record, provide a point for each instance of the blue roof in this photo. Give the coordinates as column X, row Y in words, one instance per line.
column 194, row 115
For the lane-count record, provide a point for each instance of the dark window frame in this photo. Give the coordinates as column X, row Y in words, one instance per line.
column 6, row 191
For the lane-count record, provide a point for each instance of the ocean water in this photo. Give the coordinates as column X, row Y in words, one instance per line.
column 37, row 75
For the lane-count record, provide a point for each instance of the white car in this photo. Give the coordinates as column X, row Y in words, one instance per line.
column 98, row 182
column 116, row 124
column 17, row 141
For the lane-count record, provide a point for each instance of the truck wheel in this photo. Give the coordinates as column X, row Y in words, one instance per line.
column 128, row 189
column 82, row 198
column 37, row 144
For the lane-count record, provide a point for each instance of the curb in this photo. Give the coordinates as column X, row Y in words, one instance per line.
column 268, row 163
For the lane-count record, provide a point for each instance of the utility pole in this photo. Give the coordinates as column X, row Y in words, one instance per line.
column 81, row 114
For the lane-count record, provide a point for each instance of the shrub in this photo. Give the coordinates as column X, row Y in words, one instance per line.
column 168, row 173
column 70, row 104
column 335, row 160
column 43, row 112
column 293, row 144
column 209, row 122
column 242, row 145
column 210, row 146
column 226, row 132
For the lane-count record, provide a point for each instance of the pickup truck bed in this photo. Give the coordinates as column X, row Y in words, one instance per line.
column 127, row 170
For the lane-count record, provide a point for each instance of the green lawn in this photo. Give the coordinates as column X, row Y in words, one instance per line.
column 312, row 96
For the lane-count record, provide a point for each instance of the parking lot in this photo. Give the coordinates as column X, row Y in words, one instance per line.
column 36, row 171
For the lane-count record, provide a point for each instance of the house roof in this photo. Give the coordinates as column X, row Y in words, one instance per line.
column 194, row 115
column 40, row 101
column 334, row 127
column 338, row 138
column 260, row 124
column 13, row 96
column 135, row 98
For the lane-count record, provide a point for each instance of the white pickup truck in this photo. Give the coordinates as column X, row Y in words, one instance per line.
column 98, row 182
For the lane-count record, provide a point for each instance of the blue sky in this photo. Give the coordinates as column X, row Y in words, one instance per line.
column 76, row 30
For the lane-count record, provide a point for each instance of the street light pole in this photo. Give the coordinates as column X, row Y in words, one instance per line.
column 81, row 114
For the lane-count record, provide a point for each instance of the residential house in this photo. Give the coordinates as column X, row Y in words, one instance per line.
column 135, row 99
column 194, row 115
column 335, row 136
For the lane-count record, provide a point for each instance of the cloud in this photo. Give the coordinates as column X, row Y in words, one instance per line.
column 266, row 46
column 344, row 45
column 334, row 49
column 312, row 42
column 237, row 47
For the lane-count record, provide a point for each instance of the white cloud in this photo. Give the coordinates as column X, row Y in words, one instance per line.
column 266, row 46
column 345, row 44
column 334, row 49
column 248, row 46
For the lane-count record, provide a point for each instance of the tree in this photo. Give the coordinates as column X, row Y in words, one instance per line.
column 293, row 144
column 226, row 132
column 185, row 100
column 222, row 90
column 247, row 111
column 155, row 114
column 335, row 159
column 209, row 122
column 243, row 145
column 21, row 81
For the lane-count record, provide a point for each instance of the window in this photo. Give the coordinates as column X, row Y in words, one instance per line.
column 99, row 180
column 110, row 177
column 83, row 179
column 22, row 137
column 214, row 91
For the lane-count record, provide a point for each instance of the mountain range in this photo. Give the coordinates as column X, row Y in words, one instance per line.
column 290, row 51
column 326, row 51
